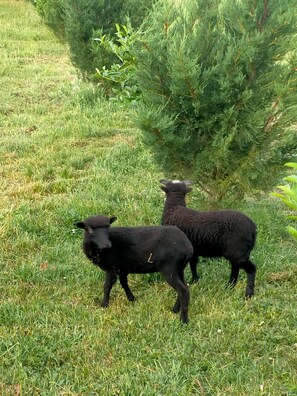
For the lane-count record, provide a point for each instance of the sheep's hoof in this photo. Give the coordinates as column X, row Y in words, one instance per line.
column 132, row 298
column 104, row 304
column 249, row 293
column 185, row 320
column 195, row 280
column 176, row 308
column 230, row 286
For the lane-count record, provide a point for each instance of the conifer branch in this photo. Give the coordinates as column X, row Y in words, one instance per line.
column 264, row 16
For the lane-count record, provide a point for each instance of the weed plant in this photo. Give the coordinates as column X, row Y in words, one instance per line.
column 65, row 154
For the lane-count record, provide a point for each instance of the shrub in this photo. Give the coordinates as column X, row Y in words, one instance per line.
column 78, row 22
column 289, row 196
column 54, row 15
column 219, row 83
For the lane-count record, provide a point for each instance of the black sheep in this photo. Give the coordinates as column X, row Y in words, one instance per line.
column 125, row 250
column 219, row 233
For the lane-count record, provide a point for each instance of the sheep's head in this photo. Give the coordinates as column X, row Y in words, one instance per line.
column 97, row 230
column 183, row 186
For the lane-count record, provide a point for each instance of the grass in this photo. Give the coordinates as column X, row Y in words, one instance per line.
column 65, row 154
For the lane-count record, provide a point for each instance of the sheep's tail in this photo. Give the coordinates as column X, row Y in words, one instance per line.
column 253, row 240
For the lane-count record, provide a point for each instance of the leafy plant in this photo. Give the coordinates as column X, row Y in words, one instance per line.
column 123, row 74
column 288, row 196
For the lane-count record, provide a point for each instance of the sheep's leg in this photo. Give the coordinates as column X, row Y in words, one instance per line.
column 176, row 306
column 234, row 275
column 110, row 279
column 250, row 269
column 124, row 284
column 193, row 265
column 183, row 294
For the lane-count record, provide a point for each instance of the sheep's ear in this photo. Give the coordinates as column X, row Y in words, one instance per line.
column 112, row 219
column 80, row 224
column 188, row 184
column 164, row 181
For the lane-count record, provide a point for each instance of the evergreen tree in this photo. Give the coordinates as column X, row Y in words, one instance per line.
column 219, row 83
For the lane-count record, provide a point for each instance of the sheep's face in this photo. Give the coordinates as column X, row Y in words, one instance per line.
column 97, row 230
column 174, row 186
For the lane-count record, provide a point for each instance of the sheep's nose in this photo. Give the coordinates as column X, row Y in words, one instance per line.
column 105, row 245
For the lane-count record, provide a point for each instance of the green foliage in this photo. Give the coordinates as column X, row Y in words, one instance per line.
column 219, row 82
column 122, row 74
column 79, row 22
column 288, row 196
column 53, row 13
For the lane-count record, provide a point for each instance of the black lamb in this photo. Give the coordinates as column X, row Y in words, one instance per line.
column 219, row 233
column 120, row 251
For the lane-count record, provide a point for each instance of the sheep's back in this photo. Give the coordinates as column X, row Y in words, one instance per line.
column 215, row 233
column 144, row 249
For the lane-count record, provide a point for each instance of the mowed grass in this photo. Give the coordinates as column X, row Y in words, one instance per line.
column 66, row 154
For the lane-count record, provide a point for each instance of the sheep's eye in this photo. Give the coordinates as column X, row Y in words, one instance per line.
column 90, row 230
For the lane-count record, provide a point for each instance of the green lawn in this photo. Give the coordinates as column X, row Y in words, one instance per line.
column 66, row 154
